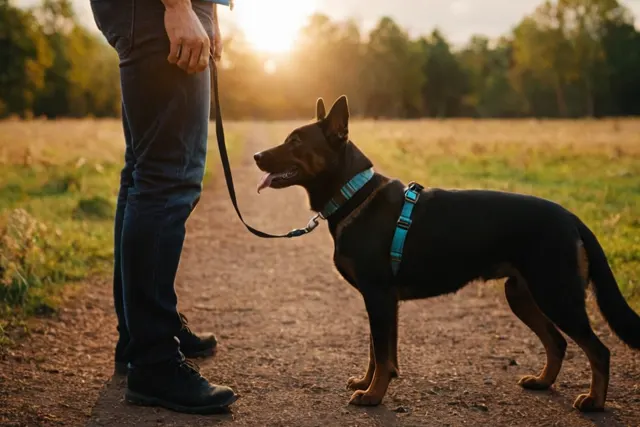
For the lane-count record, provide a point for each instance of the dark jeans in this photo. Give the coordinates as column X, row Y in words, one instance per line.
column 165, row 114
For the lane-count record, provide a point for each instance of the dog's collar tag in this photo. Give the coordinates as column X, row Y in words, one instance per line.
column 347, row 192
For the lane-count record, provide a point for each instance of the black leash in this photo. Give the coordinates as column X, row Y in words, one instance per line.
column 224, row 157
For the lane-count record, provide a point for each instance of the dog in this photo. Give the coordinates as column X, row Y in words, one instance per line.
column 547, row 255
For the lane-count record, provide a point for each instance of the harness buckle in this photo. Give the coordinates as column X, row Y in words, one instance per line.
column 415, row 186
column 404, row 223
column 411, row 196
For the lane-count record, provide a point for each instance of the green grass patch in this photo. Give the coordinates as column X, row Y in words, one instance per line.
column 55, row 228
column 56, row 225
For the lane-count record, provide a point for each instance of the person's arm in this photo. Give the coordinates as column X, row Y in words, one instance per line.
column 189, row 41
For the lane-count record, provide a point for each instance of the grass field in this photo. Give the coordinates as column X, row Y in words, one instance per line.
column 58, row 182
column 58, row 185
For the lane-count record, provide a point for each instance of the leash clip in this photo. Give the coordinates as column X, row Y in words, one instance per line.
column 311, row 225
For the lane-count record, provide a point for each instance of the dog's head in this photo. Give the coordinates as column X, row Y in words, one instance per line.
column 310, row 154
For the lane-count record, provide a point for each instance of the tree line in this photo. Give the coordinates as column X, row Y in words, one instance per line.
column 568, row 58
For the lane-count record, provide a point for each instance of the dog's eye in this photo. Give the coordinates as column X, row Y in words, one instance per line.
column 295, row 142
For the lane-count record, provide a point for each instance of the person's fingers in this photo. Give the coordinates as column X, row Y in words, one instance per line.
column 174, row 52
column 194, row 62
column 204, row 60
column 185, row 56
column 204, row 55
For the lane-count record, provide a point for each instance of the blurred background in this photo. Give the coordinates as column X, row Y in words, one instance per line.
column 511, row 95
column 405, row 59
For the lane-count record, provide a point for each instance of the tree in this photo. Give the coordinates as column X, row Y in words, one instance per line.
column 392, row 76
column 543, row 54
column 445, row 81
column 621, row 47
column 487, row 68
column 568, row 58
column 24, row 58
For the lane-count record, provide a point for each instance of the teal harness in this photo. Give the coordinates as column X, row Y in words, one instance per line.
column 411, row 196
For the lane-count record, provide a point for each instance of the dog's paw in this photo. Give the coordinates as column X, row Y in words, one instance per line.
column 587, row 403
column 355, row 383
column 362, row 398
column 531, row 382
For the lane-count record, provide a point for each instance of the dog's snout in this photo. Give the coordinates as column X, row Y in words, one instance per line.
column 257, row 157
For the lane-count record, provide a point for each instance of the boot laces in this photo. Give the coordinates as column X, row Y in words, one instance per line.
column 185, row 323
column 190, row 366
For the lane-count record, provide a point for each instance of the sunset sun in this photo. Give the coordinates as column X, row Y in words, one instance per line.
column 272, row 26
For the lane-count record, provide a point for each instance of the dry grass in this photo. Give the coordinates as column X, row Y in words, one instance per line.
column 55, row 170
column 591, row 167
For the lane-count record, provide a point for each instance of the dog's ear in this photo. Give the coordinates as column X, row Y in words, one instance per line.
column 321, row 113
column 337, row 122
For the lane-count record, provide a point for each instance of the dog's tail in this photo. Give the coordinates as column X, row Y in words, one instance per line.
column 615, row 309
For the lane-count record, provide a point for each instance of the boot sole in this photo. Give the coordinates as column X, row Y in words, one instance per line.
column 144, row 400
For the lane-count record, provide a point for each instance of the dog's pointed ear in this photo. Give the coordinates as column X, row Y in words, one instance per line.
column 338, row 119
column 321, row 112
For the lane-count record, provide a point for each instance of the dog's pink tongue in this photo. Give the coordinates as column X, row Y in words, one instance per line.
column 265, row 181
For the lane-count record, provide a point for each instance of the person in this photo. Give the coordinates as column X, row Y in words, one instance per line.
column 164, row 49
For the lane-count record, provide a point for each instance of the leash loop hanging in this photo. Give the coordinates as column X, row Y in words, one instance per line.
column 224, row 157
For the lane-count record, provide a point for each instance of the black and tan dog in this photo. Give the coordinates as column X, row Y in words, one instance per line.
column 547, row 255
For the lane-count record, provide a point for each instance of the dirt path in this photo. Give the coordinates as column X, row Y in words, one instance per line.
column 292, row 333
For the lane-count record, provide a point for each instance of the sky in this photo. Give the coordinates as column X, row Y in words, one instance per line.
column 457, row 19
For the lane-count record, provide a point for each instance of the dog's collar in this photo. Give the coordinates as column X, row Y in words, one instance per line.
column 347, row 192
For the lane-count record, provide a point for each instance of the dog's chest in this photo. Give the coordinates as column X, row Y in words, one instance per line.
column 346, row 268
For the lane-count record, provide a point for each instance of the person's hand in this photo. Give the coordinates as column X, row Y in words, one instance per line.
column 189, row 41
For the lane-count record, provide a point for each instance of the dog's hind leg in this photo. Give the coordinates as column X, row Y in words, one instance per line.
column 525, row 308
column 382, row 310
column 563, row 302
column 393, row 344
column 363, row 383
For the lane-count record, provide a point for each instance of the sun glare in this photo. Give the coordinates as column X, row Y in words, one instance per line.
column 272, row 26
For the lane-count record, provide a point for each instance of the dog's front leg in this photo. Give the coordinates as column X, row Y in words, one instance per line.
column 363, row 383
column 381, row 308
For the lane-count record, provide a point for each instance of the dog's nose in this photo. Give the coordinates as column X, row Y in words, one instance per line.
column 257, row 157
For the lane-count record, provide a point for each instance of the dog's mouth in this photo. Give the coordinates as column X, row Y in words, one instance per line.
column 277, row 180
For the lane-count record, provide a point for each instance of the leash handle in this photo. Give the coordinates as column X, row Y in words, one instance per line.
column 224, row 157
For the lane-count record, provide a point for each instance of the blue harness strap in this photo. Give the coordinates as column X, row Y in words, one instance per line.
column 411, row 196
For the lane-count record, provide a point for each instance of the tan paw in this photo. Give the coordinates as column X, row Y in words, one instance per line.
column 531, row 382
column 362, row 398
column 355, row 383
column 587, row 403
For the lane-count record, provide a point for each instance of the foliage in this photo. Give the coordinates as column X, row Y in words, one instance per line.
column 567, row 58
column 47, row 44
